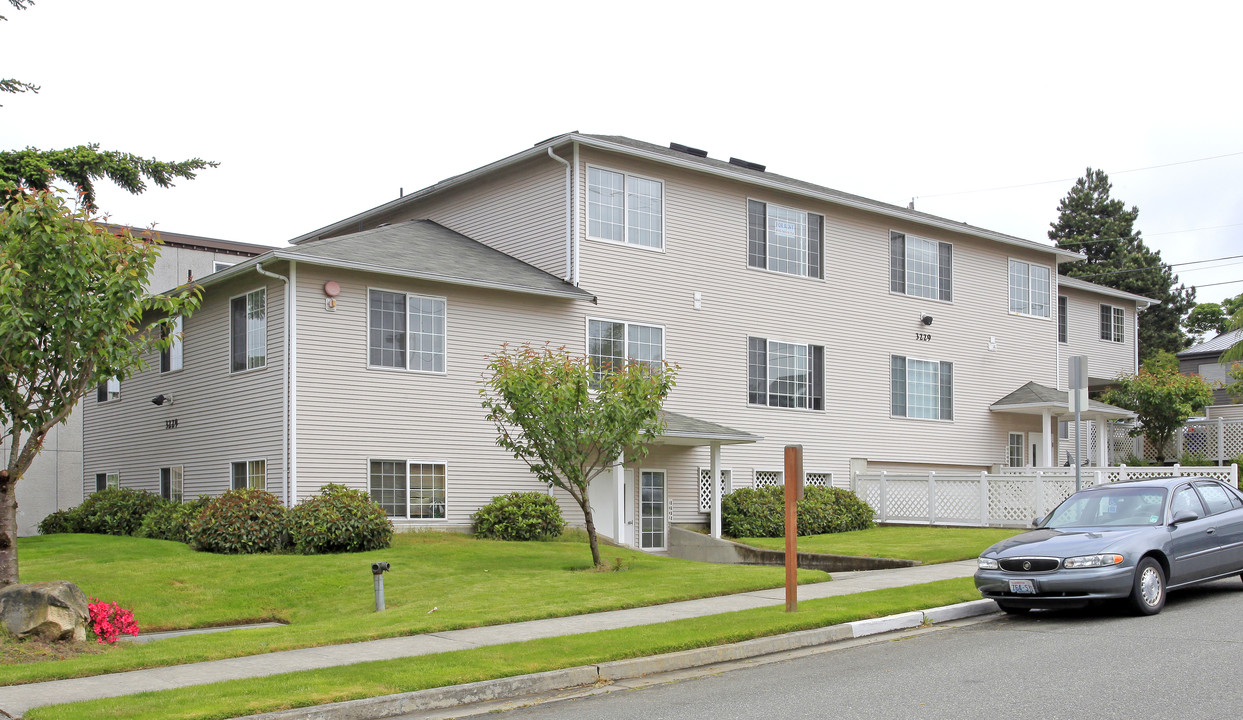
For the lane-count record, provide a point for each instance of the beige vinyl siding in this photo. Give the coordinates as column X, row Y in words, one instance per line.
column 519, row 211
column 1106, row 359
column 1227, row 412
column 349, row 414
column 221, row 416
column 852, row 313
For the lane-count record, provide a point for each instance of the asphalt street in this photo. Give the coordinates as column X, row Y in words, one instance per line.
column 1099, row 663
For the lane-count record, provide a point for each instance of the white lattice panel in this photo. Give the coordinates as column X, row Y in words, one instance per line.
column 705, row 487
column 1234, row 438
column 823, row 480
column 1010, row 499
column 769, row 478
column 958, row 500
column 907, row 499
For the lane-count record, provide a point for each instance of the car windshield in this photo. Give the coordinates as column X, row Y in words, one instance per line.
column 1109, row 507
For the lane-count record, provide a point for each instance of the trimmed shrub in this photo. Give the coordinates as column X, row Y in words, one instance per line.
column 61, row 521
column 241, row 522
column 519, row 516
column 173, row 521
column 339, row 520
column 114, row 511
column 749, row 512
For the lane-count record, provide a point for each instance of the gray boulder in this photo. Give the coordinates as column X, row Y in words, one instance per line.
column 54, row 610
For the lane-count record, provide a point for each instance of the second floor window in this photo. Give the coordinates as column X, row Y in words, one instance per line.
column 248, row 331
column 611, row 344
column 1063, row 319
column 921, row 267
column 921, row 388
column 1112, row 321
column 784, row 374
column 170, row 359
column 407, row 331
column 109, row 389
column 625, row 208
column 785, row 240
column 1029, row 289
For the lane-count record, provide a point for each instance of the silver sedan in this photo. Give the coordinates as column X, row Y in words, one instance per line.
column 1132, row 540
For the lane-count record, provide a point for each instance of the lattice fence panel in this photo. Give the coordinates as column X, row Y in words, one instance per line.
column 769, row 478
column 907, row 499
column 1010, row 499
column 958, row 500
column 1121, row 444
column 1234, row 438
column 868, row 491
column 823, row 480
column 1199, row 438
column 705, row 487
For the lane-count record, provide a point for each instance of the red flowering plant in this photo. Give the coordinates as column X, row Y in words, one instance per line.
column 109, row 620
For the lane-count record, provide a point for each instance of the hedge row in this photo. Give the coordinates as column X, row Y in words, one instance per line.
column 239, row 521
column 749, row 512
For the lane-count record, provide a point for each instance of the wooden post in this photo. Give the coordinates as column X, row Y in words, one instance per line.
column 794, row 493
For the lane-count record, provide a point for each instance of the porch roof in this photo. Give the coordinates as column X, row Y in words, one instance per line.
column 1036, row 399
column 685, row 430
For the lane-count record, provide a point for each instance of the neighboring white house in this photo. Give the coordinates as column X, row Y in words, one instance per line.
column 873, row 335
column 54, row 481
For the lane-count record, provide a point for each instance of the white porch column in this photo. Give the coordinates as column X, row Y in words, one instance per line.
column 714, row 464
column 1102, row 442
column 619, row 507
column 1046, row 438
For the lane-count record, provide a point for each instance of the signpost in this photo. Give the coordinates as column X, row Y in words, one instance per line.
column 794, row 493
column 1078, row 399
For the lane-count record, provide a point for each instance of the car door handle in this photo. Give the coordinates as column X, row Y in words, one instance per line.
column 1210, row 531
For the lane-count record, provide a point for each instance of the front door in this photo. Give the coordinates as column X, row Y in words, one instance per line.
column 1035, row 448
column 652, row 534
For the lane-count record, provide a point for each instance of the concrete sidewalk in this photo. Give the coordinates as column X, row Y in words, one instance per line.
column 17, row 699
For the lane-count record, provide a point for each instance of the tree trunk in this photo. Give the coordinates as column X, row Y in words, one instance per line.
column 8, row 530
column 591, row 531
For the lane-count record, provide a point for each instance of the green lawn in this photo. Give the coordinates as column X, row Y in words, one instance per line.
column 328, row 599
column 925, row 544
column 301, row 689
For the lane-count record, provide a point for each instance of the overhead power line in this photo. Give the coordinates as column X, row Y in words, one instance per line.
column 1164, row 265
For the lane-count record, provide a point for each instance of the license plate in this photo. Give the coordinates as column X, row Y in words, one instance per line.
column 1023, row 587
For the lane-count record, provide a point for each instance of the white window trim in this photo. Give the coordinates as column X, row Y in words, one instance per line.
column 182, row 468
column 953, row 276
column 664, row 224
column 1113, row 324
column 1060, row 319
column 406, row 463
column 747, row 373
column 1053, row 288
column 954, row 399
column 664, row 335
column 248, row 460
column 177, row 351
column 367, row 338
column 666, row 506
column 824, row 221
column 229, row 355
column 107, row 393
column 217, row 266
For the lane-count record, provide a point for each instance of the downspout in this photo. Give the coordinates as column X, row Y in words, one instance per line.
column 577, row 223
column 285, row 385
column 569, row 242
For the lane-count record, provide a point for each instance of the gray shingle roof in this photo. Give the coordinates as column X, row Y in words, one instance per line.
column 426, row 250
column 682, row 426
column 1033, row 394
column 1217, row 345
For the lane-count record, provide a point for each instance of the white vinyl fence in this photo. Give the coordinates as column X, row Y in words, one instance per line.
column 1012, row 498
column 1216, row 440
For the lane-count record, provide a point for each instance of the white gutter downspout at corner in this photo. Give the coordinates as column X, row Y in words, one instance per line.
column 290, row 488
column 569, row 238
column 578, row 248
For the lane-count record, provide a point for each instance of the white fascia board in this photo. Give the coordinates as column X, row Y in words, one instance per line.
column 1104, row 290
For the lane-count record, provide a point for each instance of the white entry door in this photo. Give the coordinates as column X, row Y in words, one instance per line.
column 1035, row 449
column 652, row 535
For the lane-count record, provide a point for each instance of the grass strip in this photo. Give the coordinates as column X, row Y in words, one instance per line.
column 926, row 544
column 386, row 677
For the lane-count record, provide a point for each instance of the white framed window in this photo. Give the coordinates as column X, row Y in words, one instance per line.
column 406, row 331
column 921, row 267
column 217, row 266
column 171, row 358
column 409, row 489
column 108, row 390
column 1029, row 289
column 248, row 331
column 611, row 344
column 785, row 240
column 1063, row 429
column 1112, row 321
column 625, row 208
column 107, row 480
column 171, row 484
column 785, row 374
column 1063, row 319
column 921, row 388
column 1015, row 450
column 249, row 474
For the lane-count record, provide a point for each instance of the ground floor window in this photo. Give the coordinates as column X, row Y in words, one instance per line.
column 107, row 480
column 171, row 483
column 412, row 490
column 921, row 388
column 250, row 474
column 1014, row 450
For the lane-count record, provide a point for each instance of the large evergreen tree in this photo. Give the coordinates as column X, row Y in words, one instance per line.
column 1102, row 228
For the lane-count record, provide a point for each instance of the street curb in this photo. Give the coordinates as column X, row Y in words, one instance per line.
column 517, row 686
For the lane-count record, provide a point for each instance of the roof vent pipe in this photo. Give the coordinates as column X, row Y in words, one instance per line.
column 688, row 150
column 746, row 164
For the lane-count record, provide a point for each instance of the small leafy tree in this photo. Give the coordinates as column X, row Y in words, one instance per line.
column 73, row 313
column 1163, row 399
column 565, row 425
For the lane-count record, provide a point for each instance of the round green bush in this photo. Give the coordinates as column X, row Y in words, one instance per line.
column 750, row 512
column 241, row 522
column 519, row 516
column 172, row 521
column 61, row 521
column 114, row 511
column 339, row 520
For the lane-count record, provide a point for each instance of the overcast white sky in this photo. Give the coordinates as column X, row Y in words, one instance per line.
column 318, row 110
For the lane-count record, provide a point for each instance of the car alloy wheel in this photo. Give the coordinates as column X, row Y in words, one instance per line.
column 1148, row 591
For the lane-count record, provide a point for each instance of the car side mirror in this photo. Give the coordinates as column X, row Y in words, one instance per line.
column 1037, row 521
column 1182, row 516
